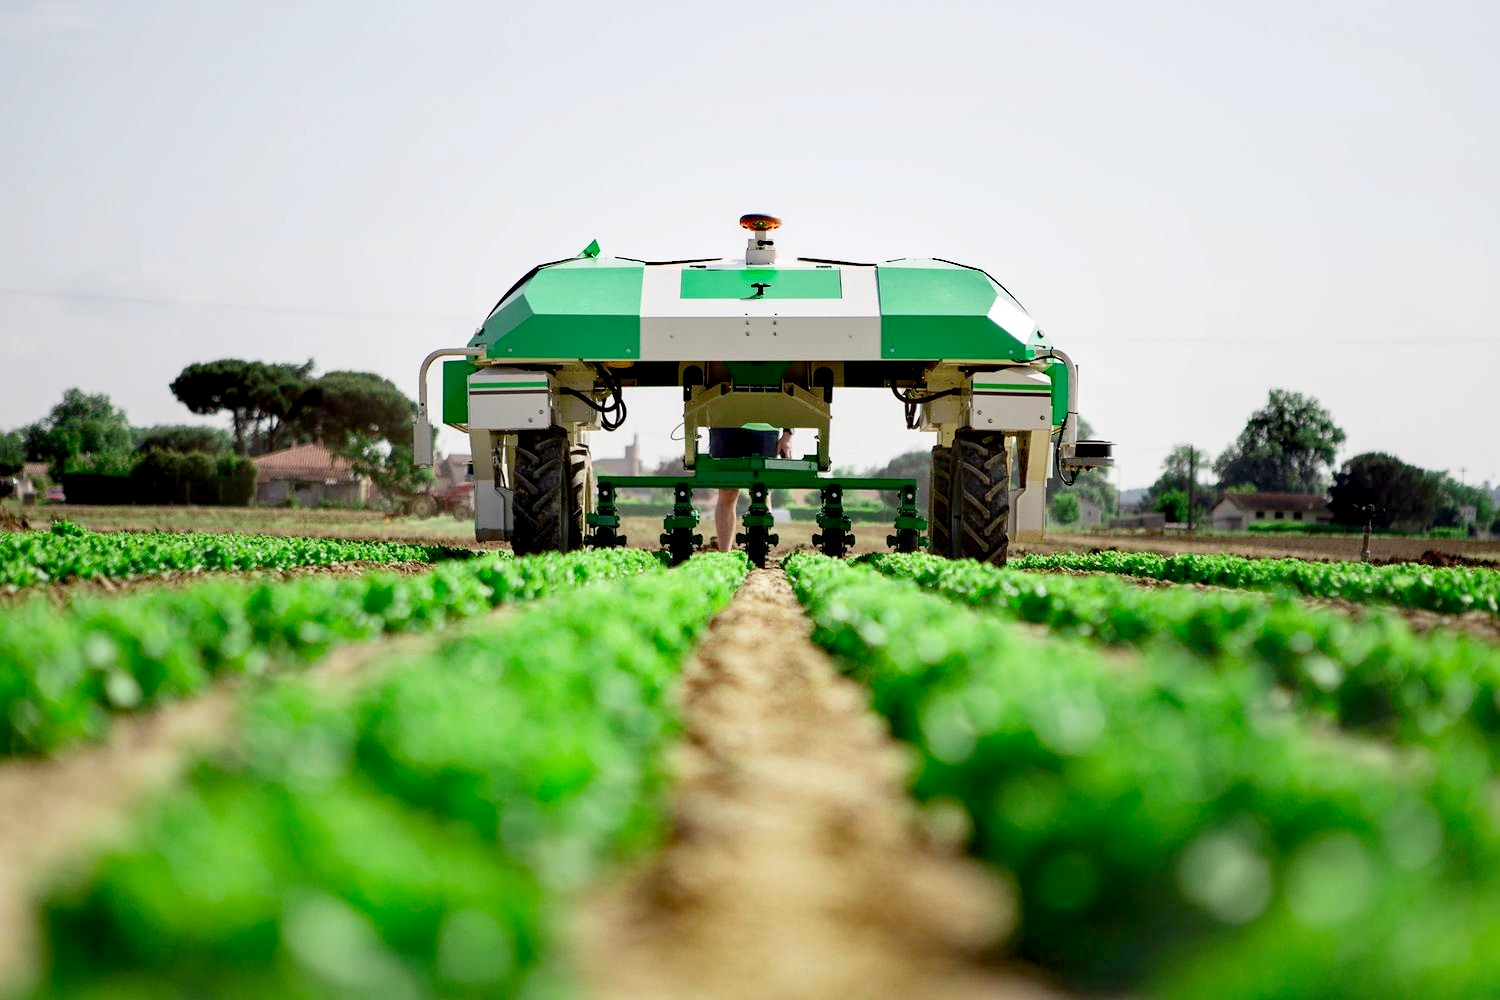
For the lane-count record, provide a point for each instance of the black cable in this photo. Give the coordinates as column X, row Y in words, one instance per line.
column 912, row 400
column 612, row 411
column 617, row 394
column 1062, row 470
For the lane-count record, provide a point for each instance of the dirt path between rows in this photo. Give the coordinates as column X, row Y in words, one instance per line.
column 796, row 867
column 60, row 811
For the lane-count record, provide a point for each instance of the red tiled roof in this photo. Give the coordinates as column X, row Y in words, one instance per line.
column 304, row 462
column 1277, row 501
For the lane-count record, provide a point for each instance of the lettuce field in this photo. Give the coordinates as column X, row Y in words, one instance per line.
column 422, row 771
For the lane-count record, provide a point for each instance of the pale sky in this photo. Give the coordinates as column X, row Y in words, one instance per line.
column 1198, row 202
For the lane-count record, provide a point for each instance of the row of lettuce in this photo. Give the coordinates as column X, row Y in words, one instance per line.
column 1370, row 673
column 63, row 675
column 413, row 835
column 1410, row 585
column 67, row 552
column 1180, row 823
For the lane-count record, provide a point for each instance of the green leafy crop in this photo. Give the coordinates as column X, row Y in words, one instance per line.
column 1445, row 589
column 416, row 837
column 69, row 552
column 63, row 673
column 1163, row 820
column 1372, row 673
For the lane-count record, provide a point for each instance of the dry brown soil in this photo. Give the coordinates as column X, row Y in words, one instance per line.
column 797, row 866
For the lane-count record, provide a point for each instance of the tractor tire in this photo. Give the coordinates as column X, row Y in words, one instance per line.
column 981, row 523
column 545, row 502
column 940, row 502
column 581, row 473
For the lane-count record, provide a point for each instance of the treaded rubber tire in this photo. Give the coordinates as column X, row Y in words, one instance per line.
column 982, row 497
column 581, row 474
column 544, row 505
column 940, row 502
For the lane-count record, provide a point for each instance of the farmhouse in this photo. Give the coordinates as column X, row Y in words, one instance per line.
column 1238, row 511
column 450, row 471
column 309, row 474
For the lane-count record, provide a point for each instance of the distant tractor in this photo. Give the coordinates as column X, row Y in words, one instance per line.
column 755, row 341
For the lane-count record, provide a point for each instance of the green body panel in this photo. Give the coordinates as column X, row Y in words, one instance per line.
column 456, row 391
column 739, row 283
column 1060, row 390
column 590, row 308
column 586, row 308
column 941, row 311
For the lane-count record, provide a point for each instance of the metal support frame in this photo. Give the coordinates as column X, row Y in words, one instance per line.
column 760, row 476
column 833, row 538
column 605, row 521
column 421, row 444
column 757, row 538
column 909, row 523
column 726, row 405
column 678, row 536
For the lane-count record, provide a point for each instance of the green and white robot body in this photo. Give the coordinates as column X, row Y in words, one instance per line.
column 760, row 340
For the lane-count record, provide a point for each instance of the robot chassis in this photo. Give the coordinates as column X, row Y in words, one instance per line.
column 551, row 361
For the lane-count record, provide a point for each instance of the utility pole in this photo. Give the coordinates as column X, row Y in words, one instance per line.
column 1368, row 510
column 1192, row 482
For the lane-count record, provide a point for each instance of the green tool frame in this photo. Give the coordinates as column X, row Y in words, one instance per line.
column 759, row 475
column 741, row 473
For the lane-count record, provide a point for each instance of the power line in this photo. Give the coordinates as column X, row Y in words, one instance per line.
column 1299, row 341
column 92, row 297
column 135, row 300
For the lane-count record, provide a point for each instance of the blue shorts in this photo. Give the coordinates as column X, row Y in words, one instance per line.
column 740, row 442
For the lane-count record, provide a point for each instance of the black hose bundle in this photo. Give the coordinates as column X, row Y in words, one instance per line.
column 612, row 411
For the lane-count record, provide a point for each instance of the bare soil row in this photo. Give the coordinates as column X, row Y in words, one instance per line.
column 797, row 866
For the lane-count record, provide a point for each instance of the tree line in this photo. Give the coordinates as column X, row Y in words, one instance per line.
column 1290, row 446
column 358, row 415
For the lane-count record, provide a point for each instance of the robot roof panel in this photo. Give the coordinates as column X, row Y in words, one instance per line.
column 613, row 308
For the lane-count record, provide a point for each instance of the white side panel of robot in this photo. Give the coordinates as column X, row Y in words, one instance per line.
column 1018, row 400
column 503, row 399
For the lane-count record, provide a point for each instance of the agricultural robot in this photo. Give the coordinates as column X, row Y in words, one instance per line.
column 760, row 340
